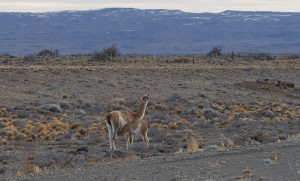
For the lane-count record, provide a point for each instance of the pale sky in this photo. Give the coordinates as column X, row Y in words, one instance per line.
column 187, row 5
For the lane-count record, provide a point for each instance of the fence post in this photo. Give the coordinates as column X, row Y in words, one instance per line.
column 193, row 58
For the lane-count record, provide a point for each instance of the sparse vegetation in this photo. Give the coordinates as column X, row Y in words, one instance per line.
column 57, row 107
column 193, row 145
column 48, row 53
column 27, row 169
column 30, row 58
column 261, row 56
column 215, row 51
column 38, row 57
column 107, row 54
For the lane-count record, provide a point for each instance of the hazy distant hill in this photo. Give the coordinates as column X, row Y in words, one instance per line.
column 148, row 31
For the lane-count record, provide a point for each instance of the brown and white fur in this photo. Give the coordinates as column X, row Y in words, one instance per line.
column 117, row 120
column 133, row 128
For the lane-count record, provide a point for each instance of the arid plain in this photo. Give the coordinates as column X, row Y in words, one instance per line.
column 52, row 110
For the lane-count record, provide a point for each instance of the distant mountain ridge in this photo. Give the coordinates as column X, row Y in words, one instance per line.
column 148, row 31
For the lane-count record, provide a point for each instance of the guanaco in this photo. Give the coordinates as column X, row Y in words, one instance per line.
column 133, row 128
column 117, row 120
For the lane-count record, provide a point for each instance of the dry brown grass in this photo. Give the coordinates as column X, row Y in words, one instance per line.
column 177, row 124
column 82, row 131
column 44, row 131
column 3, row 142
column 248, row 172
column 28, row 128
column 282, row 111
column 77, row 136
column 240, row 178
column 103, row 129
column 176, row 110
column 10, row 132
column 274, row 158
column 59, row 125
column 183, row 122
column 277, row 107
column 20, row 136
column 27, row 169
column 173, row 125
column 192, row 145
column 75, row 125
column 239, row 109
column 215, row 165
column 93, row 128
column 29, row 139
column 294, row 137
column 43, row 135
column 217, row 107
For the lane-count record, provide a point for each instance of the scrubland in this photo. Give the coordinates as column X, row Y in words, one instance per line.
column 52, row 110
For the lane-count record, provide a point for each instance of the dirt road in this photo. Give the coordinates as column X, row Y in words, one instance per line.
column 269, row 162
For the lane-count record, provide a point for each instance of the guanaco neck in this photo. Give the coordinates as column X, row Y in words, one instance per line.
column 141, row 111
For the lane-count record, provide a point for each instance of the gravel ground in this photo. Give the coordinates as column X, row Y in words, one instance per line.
column 269, row 162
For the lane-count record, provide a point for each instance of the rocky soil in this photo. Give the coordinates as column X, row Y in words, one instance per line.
column 52, row 111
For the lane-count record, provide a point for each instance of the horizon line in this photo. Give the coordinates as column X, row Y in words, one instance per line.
column 98, row 9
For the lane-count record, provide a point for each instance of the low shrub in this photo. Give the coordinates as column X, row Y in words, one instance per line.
column 106, row 54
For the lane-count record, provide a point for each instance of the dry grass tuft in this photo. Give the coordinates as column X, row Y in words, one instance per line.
column 28, row 128
column 20, row 136
column 179, row 151
column 193, row 145
column 29, row 139
column 45, row 131
column 43, row 135
column 11, row 132
column 248, row 172
column 82, row 131
column 27, row 169
column 183, row 122
column 216, row 107
column 59, row 125
column 215, row 165
column 173, row 125
column 75, row 125
column 42, row 128
column 65, row 96
column 274, row 158
column 242, row 109
column 294, row 137
column 77, row 136
column 3, row 142
column 177, row 110
column 164, row 126
column 240, row 178
column 103, row 129
column 93, row 128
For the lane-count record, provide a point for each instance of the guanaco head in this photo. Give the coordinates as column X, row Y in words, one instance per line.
column 146, row 98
